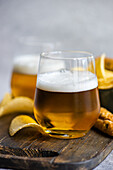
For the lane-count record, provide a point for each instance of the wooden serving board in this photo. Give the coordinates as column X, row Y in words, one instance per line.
column 30, row 150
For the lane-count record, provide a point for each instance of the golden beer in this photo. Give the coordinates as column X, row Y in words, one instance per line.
column 62, row 107
column 23, row 81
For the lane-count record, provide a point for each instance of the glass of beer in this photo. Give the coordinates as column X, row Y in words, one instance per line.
column 25, row 66
column 66, row 101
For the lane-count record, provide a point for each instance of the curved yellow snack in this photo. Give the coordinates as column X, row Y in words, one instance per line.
column 100, row 66
column 18, row 104
column 6, row 99
column 23, row 121
column 108, row 74
column 105, row 77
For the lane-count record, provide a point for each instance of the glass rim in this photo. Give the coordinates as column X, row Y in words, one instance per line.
column 48, row 55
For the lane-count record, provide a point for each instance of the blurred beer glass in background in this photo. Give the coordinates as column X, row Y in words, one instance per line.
column 25, row 65
column 66, row 101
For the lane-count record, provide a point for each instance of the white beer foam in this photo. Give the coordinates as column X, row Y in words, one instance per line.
column 26, row 64
column 67, row 81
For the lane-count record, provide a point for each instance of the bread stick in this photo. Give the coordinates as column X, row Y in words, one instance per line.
column 105, row 122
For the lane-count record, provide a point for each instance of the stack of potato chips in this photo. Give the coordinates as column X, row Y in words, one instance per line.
column 105, row 76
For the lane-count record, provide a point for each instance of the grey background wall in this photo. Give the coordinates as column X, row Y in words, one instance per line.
column 77, row 24
column 80, row 25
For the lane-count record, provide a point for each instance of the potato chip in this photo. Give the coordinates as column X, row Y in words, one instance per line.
column 17, row 105
column 105, row 77
column 24, row 121
column 6, row 99
column 100, row 71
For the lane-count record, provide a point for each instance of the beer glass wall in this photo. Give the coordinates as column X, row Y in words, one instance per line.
column 23, row 81
column 66, row 98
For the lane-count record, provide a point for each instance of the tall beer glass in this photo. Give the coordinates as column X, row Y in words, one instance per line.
column 25, row 66
column 66, row 101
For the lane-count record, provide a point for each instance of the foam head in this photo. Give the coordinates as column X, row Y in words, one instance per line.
column 67, row 81
column 26, row 64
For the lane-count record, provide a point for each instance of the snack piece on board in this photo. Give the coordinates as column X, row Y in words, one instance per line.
column 105, row 122
column 7, row 97
column 24, row 121
column 16, row 105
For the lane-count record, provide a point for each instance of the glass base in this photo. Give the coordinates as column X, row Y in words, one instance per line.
column 66, row 134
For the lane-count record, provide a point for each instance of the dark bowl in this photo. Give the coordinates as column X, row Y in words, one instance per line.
column 106, row 99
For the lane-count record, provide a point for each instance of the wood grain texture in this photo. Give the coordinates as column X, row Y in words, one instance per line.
column 30, row 150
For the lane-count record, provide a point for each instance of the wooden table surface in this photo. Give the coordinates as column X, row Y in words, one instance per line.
column 28, row 148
